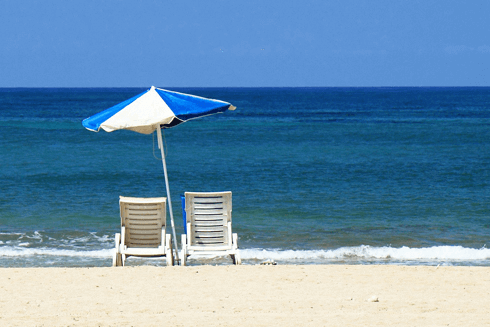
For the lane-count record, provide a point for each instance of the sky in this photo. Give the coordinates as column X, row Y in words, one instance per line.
column 244, row 43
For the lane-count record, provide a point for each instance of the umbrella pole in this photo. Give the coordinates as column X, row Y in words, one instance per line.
column 169, row 199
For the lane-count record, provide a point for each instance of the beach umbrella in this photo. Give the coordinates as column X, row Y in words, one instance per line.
column 151, row 111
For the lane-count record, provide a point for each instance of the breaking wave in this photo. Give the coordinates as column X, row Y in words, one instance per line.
column 41, row 249
column 370, row 253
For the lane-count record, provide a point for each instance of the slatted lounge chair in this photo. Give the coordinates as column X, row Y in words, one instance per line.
column 142, row 230
column 208, row 222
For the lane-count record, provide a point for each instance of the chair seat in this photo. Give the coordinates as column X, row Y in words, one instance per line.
column 209, row 248
column 145, row 252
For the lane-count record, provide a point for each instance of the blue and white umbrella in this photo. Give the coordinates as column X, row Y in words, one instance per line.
column 151, row 111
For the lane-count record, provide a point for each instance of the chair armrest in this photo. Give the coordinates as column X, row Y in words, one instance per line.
column 163, row 236
column 230, row 235
column 123, row 236
column 183, row 240
column 117, row 241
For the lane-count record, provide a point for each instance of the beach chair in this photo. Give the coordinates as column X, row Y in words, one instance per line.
column 142, row 234
column 208, row 226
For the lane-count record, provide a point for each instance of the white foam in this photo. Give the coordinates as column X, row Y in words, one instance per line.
column 362, row 252
column 36, row 236
column 23, row 252
column 458, row 253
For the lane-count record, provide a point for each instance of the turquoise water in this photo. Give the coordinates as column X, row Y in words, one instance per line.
column 318, row 175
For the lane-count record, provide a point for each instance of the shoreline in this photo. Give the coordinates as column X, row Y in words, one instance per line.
column 14, row 255
column 247, row 295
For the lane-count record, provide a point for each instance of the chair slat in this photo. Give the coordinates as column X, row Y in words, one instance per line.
column 208, row 199
column 209, row 229
column 209, row 234
column 212, row 224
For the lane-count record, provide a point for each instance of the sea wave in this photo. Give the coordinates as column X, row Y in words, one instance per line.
column 344, row 254
column 366, row 252
column 21, row 251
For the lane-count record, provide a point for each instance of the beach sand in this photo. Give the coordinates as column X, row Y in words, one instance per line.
column 313, row 295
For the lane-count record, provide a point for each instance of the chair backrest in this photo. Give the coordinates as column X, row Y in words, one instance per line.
column 209, row 218
column 143, row 219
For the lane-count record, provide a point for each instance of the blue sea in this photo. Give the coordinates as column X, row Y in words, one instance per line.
column 318, row 175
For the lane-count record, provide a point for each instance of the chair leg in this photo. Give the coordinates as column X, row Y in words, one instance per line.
column 116, row 257
column 184, row 258
column 236, row 256
column 183, row 254
column 117, row 260
column 169, row 257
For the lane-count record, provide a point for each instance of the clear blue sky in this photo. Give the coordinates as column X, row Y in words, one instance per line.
column 75, row 43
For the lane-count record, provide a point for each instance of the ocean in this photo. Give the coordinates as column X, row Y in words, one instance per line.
column 318, row 175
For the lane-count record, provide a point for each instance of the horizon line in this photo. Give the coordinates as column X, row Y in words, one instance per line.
column 233, row 87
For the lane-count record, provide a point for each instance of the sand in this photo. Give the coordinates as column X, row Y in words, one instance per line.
column 313, row 295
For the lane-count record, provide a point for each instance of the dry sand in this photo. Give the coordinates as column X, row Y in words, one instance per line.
column 330, row 295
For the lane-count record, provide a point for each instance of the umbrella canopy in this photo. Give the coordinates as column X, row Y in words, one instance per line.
column 154, row 108
column 151, row 111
